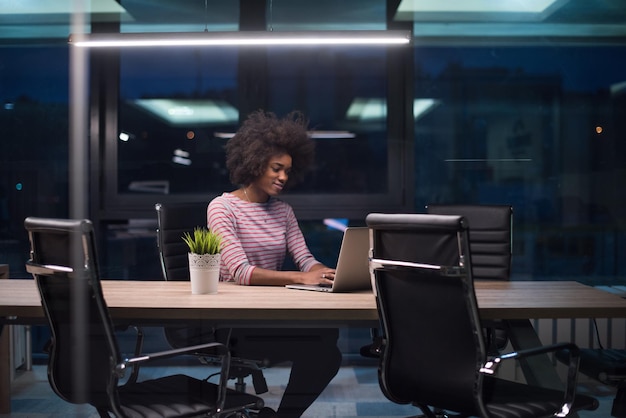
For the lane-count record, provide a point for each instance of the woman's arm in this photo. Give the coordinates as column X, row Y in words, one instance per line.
column 319, row 274
column 222, row 219
column 310, row 271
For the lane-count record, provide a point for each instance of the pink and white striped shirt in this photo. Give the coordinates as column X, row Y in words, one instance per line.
column 256, row 235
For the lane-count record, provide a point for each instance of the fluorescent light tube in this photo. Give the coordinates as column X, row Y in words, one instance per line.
column 245, row 38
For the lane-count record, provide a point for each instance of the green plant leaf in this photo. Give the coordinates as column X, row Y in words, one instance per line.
column 203, row 241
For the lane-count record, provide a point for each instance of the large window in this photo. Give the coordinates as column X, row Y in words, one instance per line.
column 33, row 143
column 540, row 128
column 344, row 92
column 530, row 114
column 173, row 107
column 178, row 108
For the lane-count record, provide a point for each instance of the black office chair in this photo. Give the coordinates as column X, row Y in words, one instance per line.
column 173, row 221
column 490, row 237
column 85, row 365
column 434, row 355
column 490, row 240
column 491, row 243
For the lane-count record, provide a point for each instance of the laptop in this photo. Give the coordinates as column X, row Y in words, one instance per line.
column 352, row 272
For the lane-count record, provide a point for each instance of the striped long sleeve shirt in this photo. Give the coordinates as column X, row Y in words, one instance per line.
column 256, row 235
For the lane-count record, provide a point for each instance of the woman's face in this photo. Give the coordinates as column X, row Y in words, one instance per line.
column 275, row 177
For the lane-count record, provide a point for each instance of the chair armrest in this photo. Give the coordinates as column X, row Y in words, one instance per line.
column 222, row 351
column 492, row 364
column 138, row 349
column 220, row 348
column 384, row 264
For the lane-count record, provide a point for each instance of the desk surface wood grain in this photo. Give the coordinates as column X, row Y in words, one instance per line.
column 161, row 301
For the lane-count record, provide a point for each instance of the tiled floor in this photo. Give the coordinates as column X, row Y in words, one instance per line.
column 353, row 393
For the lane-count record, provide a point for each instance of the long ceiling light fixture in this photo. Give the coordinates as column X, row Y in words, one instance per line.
column 243, row 38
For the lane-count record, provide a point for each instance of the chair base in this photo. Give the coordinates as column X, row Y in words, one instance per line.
column 372, row 350
column 265, row 412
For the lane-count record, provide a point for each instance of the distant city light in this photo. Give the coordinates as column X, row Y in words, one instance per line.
column 181, row 157
column 181, row 153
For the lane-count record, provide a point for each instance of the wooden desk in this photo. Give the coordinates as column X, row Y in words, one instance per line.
column 165, row 302
column 160, row 302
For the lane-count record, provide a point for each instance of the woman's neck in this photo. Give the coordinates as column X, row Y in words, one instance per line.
column 253, row 195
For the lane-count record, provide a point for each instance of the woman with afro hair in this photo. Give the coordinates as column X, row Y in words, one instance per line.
column 258, row 230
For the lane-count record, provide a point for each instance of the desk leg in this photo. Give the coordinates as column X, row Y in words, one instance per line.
column 538, row 370
column 5, row 370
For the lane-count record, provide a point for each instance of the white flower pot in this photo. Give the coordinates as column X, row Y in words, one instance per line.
column 204, row 273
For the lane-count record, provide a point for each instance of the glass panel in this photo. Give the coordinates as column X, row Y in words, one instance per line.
column 33, row 144
column 172, row 103
column 540, row 128
column 178, row 107
column 175, row 16
column 343, row 93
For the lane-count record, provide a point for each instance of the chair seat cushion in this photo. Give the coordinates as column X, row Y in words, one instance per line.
column 177, row 395
column 507, row 399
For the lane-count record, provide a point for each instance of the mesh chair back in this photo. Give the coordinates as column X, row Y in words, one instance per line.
column 173, row 221
column 415, row 238
column 490, row 237
column 64, row 264
column 429, row 314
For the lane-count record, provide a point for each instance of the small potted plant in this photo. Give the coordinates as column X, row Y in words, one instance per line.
column 204, row 259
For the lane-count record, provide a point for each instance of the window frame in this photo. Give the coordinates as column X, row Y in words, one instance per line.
column 111, row 204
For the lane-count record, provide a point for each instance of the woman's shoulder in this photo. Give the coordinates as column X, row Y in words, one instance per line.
column 232, row 202
column 225, row 200
column 222, row 197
